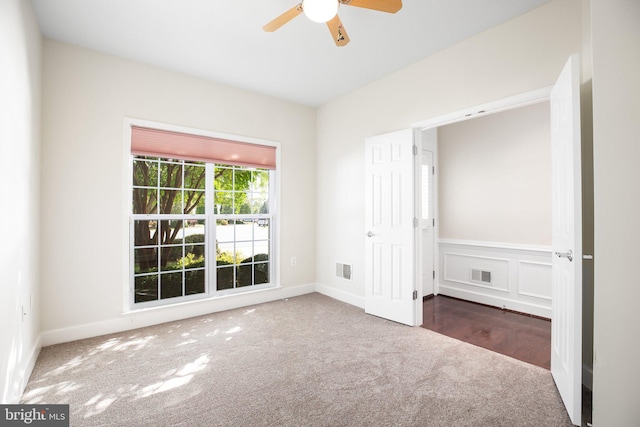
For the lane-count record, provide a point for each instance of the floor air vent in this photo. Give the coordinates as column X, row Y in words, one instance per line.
column 343, row 271
column 480, row 276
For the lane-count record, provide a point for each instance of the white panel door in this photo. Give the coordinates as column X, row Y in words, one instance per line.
column 390, row 233
column 566, row 326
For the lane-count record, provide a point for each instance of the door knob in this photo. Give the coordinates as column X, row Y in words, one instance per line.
column 369, row 234
column 568, row 255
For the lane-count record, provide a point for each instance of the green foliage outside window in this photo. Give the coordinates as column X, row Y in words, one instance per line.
column 169, row 254
column 240, row 191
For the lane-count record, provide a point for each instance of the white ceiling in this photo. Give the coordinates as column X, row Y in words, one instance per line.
column 223, row 41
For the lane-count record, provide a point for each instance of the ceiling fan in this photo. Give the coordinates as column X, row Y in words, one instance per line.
column 326, row 11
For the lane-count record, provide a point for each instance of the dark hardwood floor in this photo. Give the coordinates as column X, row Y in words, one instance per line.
column 520, row 336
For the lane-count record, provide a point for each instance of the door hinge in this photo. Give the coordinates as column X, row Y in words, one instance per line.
column 433, row 170
column 434, row 222
column 415, row 150
column 415, row 295
column 434, row 274
column 415, row 222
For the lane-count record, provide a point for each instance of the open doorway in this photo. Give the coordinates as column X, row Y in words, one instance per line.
column 493, row 198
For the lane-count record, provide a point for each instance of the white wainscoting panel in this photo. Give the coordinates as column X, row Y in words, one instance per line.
column 520, row 275
column 458, row 266
column 534, row 279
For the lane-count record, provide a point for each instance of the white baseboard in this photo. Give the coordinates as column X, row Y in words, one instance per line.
column 24, row 373
column 340, row 295
column 157, row 315
column 495, row 301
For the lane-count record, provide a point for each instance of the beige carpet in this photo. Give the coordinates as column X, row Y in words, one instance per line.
column 305, row 361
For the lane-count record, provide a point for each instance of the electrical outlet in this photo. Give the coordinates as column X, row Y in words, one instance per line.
column 293, row 261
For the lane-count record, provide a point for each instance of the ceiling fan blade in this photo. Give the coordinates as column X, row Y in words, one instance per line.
column 284, row 18
column 340, row 36
column 390, row 6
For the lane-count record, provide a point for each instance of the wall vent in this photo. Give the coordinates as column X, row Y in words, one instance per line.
column 480, row 276
column 343, row 271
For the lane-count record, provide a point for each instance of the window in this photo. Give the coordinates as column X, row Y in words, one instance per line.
column 198, row 228
column 242, row 226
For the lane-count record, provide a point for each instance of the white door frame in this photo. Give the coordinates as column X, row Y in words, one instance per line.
column 509, row 103
column 427, row 140
column 430, row 143
column 422, row 140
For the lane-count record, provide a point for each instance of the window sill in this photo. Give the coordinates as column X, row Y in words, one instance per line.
column 201, row 300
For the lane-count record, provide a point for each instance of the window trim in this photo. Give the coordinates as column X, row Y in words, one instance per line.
column 128, row 254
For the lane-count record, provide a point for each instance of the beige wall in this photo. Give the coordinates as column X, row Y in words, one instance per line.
column 616, row 130
column 86, row 97
column 524, row 54
column 20, row 68
column 495, row 177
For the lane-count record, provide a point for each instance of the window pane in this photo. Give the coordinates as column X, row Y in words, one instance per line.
column 196, row 255
column 242, row 203
column 262, row 250
column 225, row 230
column 245, row 273
column 223, row 202
column 260, row 272
column 194, row 202
column 146, row 288
column 170, row 258
column 145, row 233
column 244, row 240
column 145, row 201
column 244, row 230
column 261, row 236
column 244, row 250
column 225, row 277
column 170, row 285
column 146, row 260
column 194, row 176
column 170, row 175
column 171, row 202
column 242, row 179
column 259, row 203
column 225, row 254
column 194, row 282
column 261, row 179
column 426, row 176
column 145, row 173
column 223, row 178
column 171, row 232
column 261, row 229
column 253, row 271
column 193, row 257
column 194, row 231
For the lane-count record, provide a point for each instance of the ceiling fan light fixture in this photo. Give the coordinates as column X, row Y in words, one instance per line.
column 320, row 11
